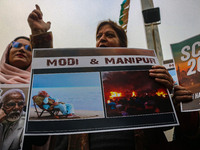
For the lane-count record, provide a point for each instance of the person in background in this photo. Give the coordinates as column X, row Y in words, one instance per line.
column 187, row 135
column 108, row 34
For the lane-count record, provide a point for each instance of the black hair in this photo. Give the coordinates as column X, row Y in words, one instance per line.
column 10, row 46
column 21, row 37
column 118, row 29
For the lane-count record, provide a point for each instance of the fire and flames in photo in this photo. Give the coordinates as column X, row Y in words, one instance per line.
column 133, row 93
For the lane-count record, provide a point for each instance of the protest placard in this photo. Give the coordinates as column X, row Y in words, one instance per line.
column 13, row 99
column 170, row 66
column 187, row 61
column 95, row 90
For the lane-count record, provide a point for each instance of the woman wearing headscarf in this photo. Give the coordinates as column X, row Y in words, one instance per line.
column 15, row 63
column 15, row 68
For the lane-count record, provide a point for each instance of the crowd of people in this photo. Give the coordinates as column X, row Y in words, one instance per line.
column 15, row 69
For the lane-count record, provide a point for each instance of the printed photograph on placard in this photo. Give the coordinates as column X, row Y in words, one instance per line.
column 66, row 96
column 187, row 62
column 133, row 93
column 90, row 97
column 172, row 72
column 170, row 66
column 13, row 100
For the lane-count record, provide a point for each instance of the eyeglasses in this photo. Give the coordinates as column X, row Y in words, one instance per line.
column 19, row 45
column 13, row 104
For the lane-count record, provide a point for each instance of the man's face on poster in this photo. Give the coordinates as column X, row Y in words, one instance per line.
column 13, row 105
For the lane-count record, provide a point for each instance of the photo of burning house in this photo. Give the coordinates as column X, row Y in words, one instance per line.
column 129, row 93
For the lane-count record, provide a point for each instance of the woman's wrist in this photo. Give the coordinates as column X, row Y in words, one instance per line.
column 36, row 32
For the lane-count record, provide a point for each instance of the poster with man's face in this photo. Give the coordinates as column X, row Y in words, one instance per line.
column 13, row 99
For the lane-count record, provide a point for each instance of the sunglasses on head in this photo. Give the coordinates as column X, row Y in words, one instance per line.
column 13, row 104
column 19, row 45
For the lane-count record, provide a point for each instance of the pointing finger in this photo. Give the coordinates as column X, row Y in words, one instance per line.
column 39, row 10
column 37, row 7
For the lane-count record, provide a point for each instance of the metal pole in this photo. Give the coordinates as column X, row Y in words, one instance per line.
column 152, row 33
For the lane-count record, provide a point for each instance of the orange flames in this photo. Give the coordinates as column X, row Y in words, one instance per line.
column 161, row 92
column 114, row 94
column 133, row 94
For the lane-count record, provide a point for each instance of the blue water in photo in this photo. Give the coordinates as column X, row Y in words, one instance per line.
column 83, row 89
column 173, row 74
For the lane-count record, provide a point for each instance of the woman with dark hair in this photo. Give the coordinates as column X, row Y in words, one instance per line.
column 108, row 34
column 120, row 34
column 186, row 136
column 15, row 63
column 15, row 67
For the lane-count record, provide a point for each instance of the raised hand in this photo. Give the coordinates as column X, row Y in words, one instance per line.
column 162, row 76
column 36, row 23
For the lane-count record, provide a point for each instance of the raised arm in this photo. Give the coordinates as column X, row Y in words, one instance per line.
column 40, row 38
column 36, row 23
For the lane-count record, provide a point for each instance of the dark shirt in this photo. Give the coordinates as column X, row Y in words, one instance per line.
column 117, row 140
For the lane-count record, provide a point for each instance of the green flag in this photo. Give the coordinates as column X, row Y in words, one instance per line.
column 123, row 18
